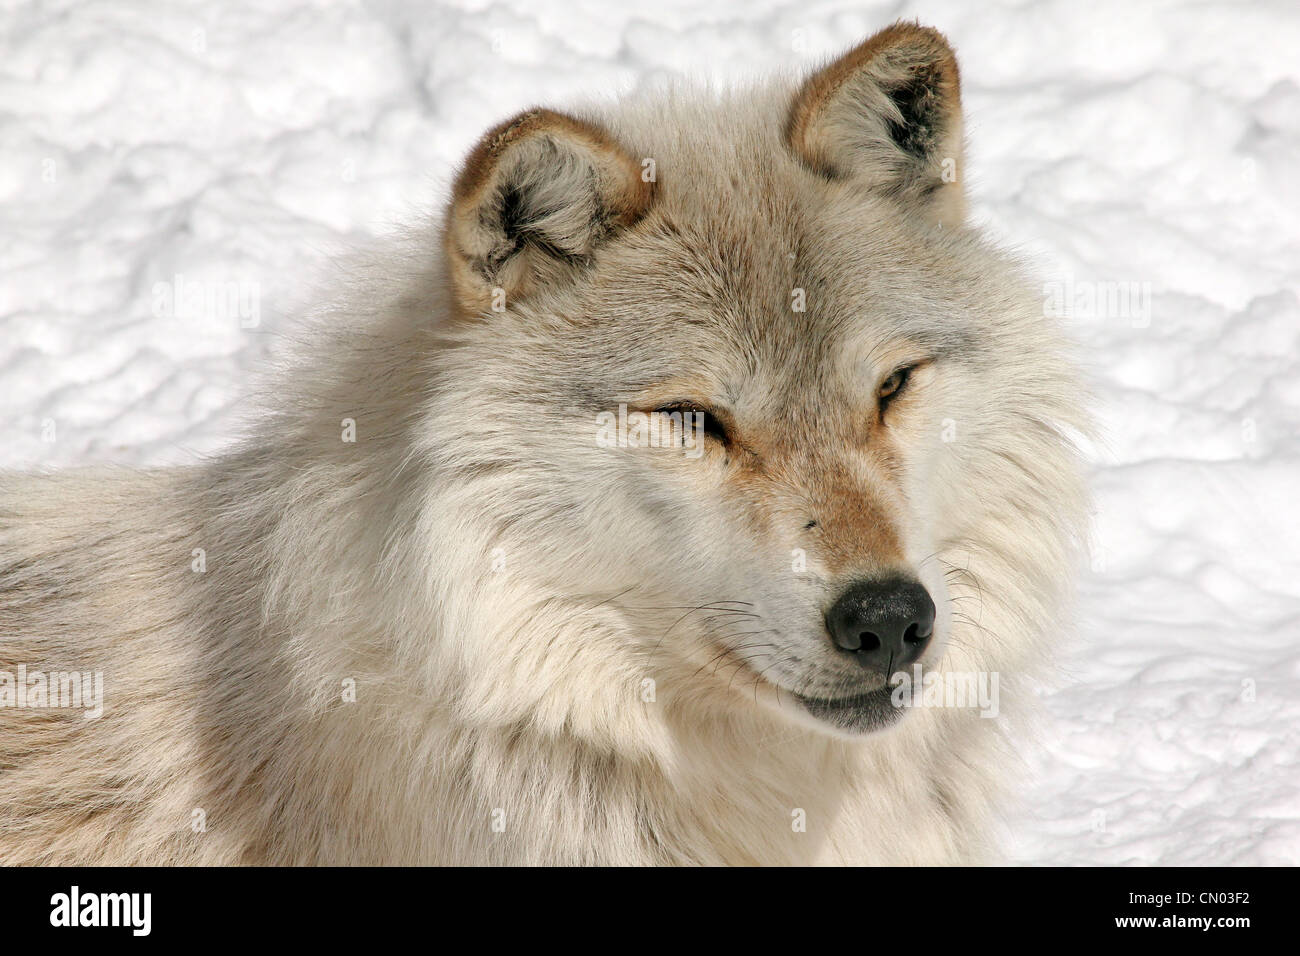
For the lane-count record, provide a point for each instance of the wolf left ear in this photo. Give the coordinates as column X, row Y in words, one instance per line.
column 535, row 198
column 888, row 112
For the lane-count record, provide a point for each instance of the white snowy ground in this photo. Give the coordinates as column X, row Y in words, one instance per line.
column 243, row 141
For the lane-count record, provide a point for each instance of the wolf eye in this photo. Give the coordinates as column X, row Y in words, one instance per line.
column 713, row 427
column 892, row 386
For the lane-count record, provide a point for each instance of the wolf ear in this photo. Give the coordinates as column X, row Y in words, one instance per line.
column 888, row 112
column 535, row 198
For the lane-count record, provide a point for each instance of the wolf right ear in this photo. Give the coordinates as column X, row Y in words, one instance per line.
column 888, row 112
column 535, row 198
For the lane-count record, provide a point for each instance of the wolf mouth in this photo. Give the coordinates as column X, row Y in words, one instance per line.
column 859, row 713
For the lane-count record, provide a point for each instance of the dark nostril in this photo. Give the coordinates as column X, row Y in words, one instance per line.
column 848, row 641
column 868, row 641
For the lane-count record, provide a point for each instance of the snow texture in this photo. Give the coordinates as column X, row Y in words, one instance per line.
column 174, row 178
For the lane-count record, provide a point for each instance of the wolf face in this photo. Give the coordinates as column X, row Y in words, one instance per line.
column 760, row 388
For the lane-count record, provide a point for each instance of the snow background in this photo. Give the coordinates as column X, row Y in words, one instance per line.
column 247, row 141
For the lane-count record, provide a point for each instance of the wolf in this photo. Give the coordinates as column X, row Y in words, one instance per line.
column 431, row 609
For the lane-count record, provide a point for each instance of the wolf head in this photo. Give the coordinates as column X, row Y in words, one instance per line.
column 743, row 392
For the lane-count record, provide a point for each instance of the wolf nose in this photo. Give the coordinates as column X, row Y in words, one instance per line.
column 884, row 623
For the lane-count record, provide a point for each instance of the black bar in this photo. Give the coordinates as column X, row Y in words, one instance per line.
column 659, row 907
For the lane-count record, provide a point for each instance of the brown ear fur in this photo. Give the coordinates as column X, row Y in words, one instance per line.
column 887, row 112
column 533, row 200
